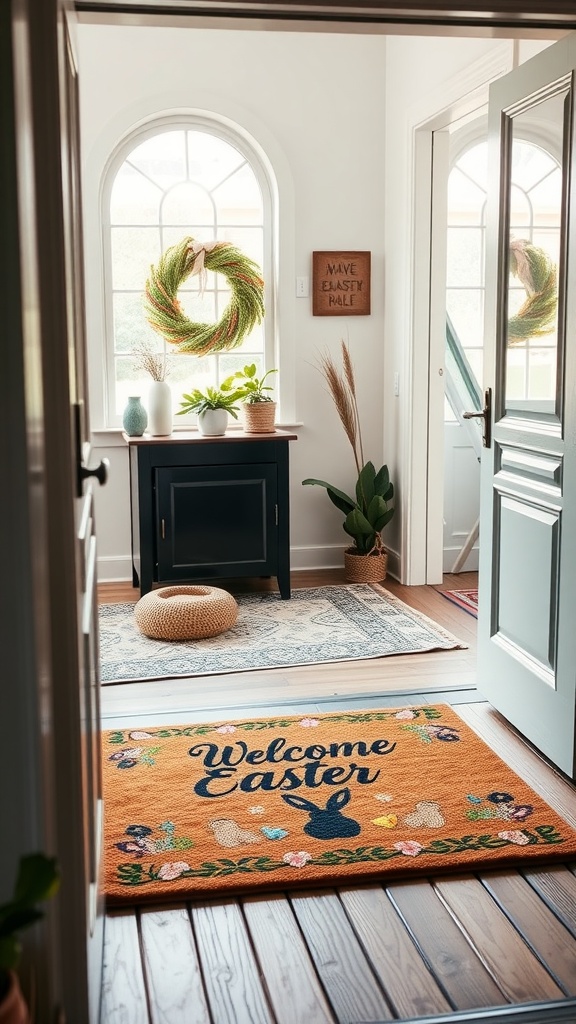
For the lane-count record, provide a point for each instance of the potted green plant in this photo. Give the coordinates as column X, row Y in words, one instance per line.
column 367, row 512
column 259, row 407
column 212, row 407
column 37, row 880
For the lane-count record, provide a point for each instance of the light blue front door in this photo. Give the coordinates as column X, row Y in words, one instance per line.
column 527, row 621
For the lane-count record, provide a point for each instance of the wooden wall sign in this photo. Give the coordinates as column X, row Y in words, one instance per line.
column 340, row 283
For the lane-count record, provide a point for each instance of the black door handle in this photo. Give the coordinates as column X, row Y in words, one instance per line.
column 486, row 416
column 100, row 472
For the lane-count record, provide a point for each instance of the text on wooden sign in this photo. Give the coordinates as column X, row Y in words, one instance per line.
column 341, row 283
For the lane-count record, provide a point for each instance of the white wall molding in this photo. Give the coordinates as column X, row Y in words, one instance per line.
column 463, row 95
column 458, row 95
column 331, row 556
column 115, row 568
column 118, row 568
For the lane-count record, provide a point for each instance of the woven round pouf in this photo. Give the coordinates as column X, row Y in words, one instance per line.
column 185, row 613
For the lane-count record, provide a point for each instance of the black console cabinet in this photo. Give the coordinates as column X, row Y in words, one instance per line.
column 209, row 507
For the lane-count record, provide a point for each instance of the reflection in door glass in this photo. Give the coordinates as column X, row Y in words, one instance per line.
column 535, row 209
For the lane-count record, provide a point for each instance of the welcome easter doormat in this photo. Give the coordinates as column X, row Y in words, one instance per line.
column 224, row 808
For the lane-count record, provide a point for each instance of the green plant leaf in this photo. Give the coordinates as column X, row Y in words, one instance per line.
column 365, row 485
column 382, row 482
column 341, row 500
column 37, row 878
column 10, row 950
column 383, row 520
column 338, row 498
column 376, row 510
column 357, row 524
column 16, row 917
column 212, row 398
column 362, row 542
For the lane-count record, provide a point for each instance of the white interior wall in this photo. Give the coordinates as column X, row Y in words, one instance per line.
column 314, row 103
column 420, row 74
column 429, row 81
column 320, row 105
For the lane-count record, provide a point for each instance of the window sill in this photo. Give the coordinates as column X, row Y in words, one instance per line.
column 111, row 437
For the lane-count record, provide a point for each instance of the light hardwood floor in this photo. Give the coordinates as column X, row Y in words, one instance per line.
column 357, row 953
column 440, row 669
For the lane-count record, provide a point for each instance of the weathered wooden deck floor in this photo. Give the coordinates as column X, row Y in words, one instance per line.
column 350, row 954
column 357, row 953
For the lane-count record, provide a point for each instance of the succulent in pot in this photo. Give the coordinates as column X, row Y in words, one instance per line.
column 212, row 406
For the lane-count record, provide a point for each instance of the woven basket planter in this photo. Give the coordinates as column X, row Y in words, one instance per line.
column 259, row 417
column 365, row 568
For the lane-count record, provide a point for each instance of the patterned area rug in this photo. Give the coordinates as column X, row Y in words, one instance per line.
column 465, row 599
column 323, row 624
column 279, row 802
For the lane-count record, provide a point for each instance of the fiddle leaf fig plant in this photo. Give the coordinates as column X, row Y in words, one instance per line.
column 368, row 511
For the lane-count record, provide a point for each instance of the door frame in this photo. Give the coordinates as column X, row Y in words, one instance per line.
column 41, row 756
column 37, row 688
column 423, row 418
column 421, row 17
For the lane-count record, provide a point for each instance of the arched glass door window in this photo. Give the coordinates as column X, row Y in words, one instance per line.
column 171, row 182
column 535, row 218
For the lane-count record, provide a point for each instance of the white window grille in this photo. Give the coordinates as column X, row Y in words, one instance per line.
column 168, row 181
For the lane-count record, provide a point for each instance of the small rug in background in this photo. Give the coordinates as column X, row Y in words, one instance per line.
column 465, row 599
column 322, row 624
column 225, row 808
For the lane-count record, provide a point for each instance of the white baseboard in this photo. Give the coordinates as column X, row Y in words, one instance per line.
column 328, row 556
column 114, row 568
column 331, row 556
column 451, row 554
column 118, row 568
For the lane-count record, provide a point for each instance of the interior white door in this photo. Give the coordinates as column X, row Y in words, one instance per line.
column 527, row 636
column 61, row 698
column 87, row 702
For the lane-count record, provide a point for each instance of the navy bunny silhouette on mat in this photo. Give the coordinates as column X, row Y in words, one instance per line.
column 328, row 822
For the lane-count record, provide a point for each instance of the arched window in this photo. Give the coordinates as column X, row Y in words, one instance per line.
column 170, row 180
column 535, row 217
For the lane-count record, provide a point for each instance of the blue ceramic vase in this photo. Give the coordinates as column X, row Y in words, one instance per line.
column 135, row 418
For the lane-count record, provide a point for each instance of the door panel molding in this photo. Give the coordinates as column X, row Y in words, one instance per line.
column 526, row 636
column 528, row 626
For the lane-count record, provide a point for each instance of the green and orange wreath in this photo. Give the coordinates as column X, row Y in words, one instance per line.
column 537, row 273
column 244, row 310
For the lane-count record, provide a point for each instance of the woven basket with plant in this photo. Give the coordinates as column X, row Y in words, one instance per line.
column 368, row 512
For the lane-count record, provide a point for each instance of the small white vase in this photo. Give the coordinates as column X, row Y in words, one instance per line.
column 159, row 409
column 213, row 422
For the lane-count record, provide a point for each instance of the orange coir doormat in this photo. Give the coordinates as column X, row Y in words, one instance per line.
column 226, row 807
